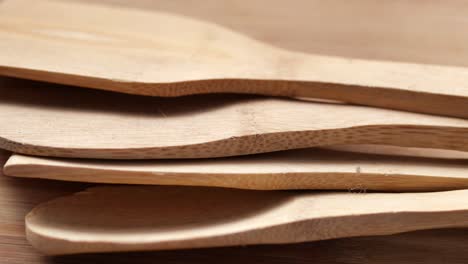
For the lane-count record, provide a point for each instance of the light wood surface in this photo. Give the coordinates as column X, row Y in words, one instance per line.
column 160, row 54
column 428, row 31
column 401, row 151
column 133, row 218
column 99, row 124
column 18, row 196
column 299, row 169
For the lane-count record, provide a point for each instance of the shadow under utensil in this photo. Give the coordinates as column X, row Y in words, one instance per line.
column 16, row 91
column 287, row 158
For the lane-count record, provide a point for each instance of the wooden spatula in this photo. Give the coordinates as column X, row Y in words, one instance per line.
column 127, row 218
column 160, row 54
column 298, row 169
column 45, row 120
column 402, row 151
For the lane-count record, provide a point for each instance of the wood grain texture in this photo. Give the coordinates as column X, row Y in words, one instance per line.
column 299, row 169
column 428, row 31
column 18, row 196
column 159, row 54
column 402, row 151
column 136, row 218
column 431, row 246
column 99, row 124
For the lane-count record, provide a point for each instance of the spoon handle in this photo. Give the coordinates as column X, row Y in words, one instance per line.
column 430, row 89
column 301, row 169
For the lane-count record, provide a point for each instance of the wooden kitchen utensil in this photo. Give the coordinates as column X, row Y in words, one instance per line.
column 298, row 169
column 129, row 218
column 402, row 151
column 153, row 53
column 98, row 124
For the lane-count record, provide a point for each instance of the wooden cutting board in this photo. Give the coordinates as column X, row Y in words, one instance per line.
column 155, row 53
column 298, row 169
column 98, row 124
column 135, row 218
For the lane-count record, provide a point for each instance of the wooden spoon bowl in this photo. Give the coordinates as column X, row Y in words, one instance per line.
column 126, row 218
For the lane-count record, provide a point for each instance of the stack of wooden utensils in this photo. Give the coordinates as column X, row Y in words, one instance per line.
column 376, row 147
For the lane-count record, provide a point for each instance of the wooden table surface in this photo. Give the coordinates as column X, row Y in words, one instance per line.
column 424, row 31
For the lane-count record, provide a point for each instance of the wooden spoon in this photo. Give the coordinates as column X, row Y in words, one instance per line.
column 98, row 124
column 152, row 53
column 134, row 218
column 298, row 169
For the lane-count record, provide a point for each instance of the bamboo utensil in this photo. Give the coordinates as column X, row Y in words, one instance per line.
column 402, row 151
column 127, row 51
column 97, row 124
column 153, row 53
column 298, row 169
column 124, row 218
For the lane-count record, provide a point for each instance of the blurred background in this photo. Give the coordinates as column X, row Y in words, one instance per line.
column 423, row 31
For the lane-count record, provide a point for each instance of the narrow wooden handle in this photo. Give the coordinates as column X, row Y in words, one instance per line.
column 431, row 89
